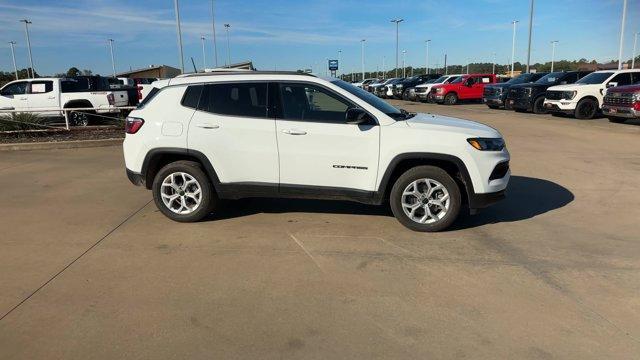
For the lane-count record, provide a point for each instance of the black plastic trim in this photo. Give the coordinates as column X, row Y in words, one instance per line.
column 202, row 158
column 135, row 178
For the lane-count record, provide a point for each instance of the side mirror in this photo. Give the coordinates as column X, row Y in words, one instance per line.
column 612, row 84
column 356, row 116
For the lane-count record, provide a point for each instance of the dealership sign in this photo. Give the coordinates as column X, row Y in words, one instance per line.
column 333, row 65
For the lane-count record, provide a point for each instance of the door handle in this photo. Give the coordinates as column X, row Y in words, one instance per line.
column 23, row 98
column 51, row 97
column 208, row 126
column 294, row 132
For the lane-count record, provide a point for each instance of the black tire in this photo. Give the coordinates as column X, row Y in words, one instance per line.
column 493, row 107
column 507, row 105
column 616, row 120
column 426, row 172
column 208, row 199
column 405, row 95
column 519, row 110
column 586, row 109
column 451, row 99
column 538, row 106
column 78, row 118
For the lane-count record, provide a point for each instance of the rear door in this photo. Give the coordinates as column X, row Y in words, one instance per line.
column 232, row 128
column 41, row 96
column 14, row 96
column 317, row 147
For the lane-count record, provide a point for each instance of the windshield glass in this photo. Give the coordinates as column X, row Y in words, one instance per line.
column 595, row 78
column 550, row 78
column 371, row 99
column 524, row 78
column 440, row 80
column 458, row 80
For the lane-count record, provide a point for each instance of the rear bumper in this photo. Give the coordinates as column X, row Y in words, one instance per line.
column 620, row 111
column 135, row 178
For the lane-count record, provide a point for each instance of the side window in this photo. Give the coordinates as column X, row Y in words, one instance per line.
column 635, row 77
column 18, row 88
column 192, row 96
column 41, row 87
column 622, row 79
column 306, row 102
column 570, row 78
column 235, row 99
column 486, row 79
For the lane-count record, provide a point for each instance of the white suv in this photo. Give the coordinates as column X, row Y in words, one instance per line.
column 206, row 137
column 583, row 99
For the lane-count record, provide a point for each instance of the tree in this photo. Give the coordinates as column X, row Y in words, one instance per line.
column 73, row 71
column 87, row 72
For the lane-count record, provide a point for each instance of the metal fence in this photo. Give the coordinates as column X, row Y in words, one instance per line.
column 65, row 113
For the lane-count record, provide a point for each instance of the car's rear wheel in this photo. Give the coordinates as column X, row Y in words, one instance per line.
column 538, row 106
column 586, row 109
column 183, row 192
column 451, row 99
column 78, row 118
column 425, row 198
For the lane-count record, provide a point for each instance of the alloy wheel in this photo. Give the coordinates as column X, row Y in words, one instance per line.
column 425, row 201
column 181, row 193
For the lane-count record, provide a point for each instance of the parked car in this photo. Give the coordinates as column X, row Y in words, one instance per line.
column 400, row 89
column 206, row 137
column 423, row 91
column 373, row 88
column 63, row 93
column 373, row 85
column 530, row 97
column 386, row 91
column 466, row 87
column 494, row 96
column 622, row 103
column 142, row 85
column 584, row 98
column 364, row 83
column 411, row 94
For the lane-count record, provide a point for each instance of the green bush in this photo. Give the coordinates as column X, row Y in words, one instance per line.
column 21, row 122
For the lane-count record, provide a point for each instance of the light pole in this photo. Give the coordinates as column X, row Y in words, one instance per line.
column 397, row 21
column 427, row 57
column 179, row 30
column 226, row 27
column 530, row 28
column 624, row 19
column 513, row 46
column 113, row 62
column 553, row 52
column 213, row 27
column 633, row 56
column 204, row 54
column 384, row 72
column 362, row 56
column 493, row 69
column 339, row 64
column 13, row 56
column 26, row 30
column 404, row 69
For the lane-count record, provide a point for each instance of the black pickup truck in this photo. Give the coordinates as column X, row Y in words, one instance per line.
column 494, row 95
column 530, row 97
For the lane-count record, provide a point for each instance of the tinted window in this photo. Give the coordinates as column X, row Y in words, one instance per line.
column 635, row 77
column 74, row 85
column 306, row 102
column 622, row 79
column 41, row 87
column 15, row 88
column 191, row 96
column 369, row 98
column 241, row 99
column 595, row 78
column 553, row 78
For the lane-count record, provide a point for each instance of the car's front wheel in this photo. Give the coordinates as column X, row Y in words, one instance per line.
column 586, row 109
column 183, row 192
column 451, row 99
column 538, row 106
column 425, row 198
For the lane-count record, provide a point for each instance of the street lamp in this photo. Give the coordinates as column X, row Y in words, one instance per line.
column 493, row 69
column 362, row 56
column 340, row 63
column 384, row 72
column 113, row 62
column 404, row 69
column 633, row 56
column 26, row 30
column 427, row 57
column 513, row 46
column 553, row 52
column 204, row 54
column 530, row 27
column 179, row 31
column 624, row 18
column 213, row 27
column 397, row 21
column 13, row 56
column 226, row 27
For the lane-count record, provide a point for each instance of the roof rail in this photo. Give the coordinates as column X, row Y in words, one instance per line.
column 236, row 72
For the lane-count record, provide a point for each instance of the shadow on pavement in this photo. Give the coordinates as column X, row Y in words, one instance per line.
column 526, row 198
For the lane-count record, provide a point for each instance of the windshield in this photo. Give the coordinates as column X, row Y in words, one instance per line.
column 458, row 80
column 441, row 79
column 371, row 99
column 595, row 78
column 524, row 78
column 551, row 78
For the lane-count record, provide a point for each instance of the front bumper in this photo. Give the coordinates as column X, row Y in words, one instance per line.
column 620, row 111
column 520, row 104
column 560, row 106
column 493, row 100
column 480, row 201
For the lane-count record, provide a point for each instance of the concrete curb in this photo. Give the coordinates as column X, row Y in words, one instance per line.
column 60, row 145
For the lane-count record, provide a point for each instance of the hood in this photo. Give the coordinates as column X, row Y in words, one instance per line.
column 624, row 89
column 531, row 85
column 451, row 124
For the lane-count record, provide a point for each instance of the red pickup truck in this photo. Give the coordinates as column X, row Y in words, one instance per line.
column 622, row 103
column 466, row 87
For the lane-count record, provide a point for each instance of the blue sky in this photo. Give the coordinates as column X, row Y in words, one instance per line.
column 290, row 34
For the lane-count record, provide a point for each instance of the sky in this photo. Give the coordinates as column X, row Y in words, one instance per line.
column 296, row 34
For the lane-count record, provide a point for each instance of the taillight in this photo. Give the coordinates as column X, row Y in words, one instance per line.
column 139, row 92
column 132, row 125
column 111, row 99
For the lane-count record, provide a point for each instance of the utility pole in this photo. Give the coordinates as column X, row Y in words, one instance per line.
column 446, row 69
column 204, row 54
column 427, row 57
column 384, row 71
column 226, row 27
column 179, row 30
column 553, row 52
column 513, row 46
column 633, row 56
column 26, row 30
column 13, row 56
column 404, row 69
column 467, row 67
column 362, row 56
column 624, row 19
column 113, row 62
column 530, row 28
column 213, row 27
column 339, row 64
column 397, row 21
column 493, row 69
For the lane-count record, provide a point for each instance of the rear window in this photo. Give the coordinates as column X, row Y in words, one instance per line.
column 41, row 87
column 74, row 85
column 235, row 99
column 191, row 96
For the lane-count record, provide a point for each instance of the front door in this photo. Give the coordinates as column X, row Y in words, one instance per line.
column 317, row 147
column 14, row 96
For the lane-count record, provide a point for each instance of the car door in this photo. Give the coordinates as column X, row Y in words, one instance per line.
column 41, row 96
column 231, row 127
column 14, row 96
column 317, row 147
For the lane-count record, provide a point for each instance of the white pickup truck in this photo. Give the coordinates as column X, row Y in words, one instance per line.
column 43, row 95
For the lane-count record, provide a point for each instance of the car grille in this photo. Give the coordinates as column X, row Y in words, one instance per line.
column 619, row 99
column 517, row 93
column 553, row 95
column 491, row 91
column 421, row 90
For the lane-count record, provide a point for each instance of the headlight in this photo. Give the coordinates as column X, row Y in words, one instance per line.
column 487, row 144
column 527, row 91
column 400, row 86
column 439, row 90
column 568, row 95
